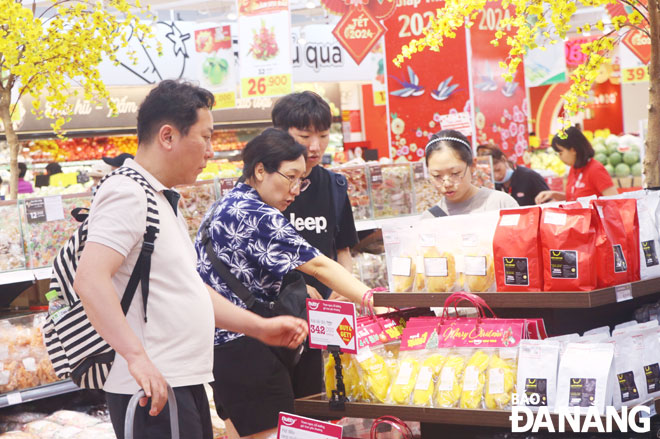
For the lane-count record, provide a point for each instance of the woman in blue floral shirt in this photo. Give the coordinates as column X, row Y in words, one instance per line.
column 259, row 245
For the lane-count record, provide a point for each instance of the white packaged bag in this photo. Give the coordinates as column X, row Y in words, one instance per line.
column 630, row 384
column 584, row 374
column 537, row 373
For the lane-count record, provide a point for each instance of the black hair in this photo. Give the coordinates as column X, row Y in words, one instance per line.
column 53, row 168
column 22, row 169
column 302, row 110
column 575, row 140
column 271, row 148
column 171, row 102
column 494, row 151
column 461, row 146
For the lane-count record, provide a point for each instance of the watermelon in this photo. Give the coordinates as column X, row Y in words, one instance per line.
column 602, row 158
column 610, row 169
column 622, row 170
column 630, row 158
column 600, row 149
column 636, row 169
column 615, row 158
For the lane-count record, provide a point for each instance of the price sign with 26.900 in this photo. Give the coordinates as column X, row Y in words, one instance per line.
column 273, row 85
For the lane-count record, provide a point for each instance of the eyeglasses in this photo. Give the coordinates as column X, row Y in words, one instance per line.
column 452, row 178
column 296, row 183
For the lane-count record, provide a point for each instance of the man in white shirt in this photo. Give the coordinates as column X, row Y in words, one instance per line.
column 175, row 343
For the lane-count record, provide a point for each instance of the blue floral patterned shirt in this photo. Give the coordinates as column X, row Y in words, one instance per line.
column 257, row 243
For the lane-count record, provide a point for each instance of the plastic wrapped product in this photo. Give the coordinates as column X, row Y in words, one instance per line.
column 358, row 191
column 427, row 379
column 537, row 373
column 391, row 190
column 195, row 201
column 73, row 418
column 501, row 379
column 474, row 379
column 12, row 256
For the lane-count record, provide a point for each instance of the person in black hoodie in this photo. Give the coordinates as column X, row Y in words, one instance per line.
column 522, row 183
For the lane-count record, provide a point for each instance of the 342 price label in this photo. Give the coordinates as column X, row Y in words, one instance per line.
column 636, row 74
column 317, row 329
column 273, row 85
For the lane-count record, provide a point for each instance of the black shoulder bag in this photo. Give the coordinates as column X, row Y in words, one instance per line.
column 291, row 299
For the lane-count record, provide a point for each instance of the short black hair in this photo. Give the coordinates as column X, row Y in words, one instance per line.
column 577, row 141
column 302, row 110
column 53, row 168
column 461, row 146
column 271, row 148
column 22, row 169
column 171, row 102
column 494, row 151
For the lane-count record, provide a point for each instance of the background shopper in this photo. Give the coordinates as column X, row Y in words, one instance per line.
column 522, row 183
column 587, row 176
column 260, row 246
column 450, row 163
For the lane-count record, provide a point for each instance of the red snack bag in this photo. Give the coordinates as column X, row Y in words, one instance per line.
column 568, row 244
column 517, row 250
column 615, row 258
column 628, row 210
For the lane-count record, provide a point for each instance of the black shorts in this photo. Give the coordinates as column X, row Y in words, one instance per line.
column 192, row 407
column 251, row 385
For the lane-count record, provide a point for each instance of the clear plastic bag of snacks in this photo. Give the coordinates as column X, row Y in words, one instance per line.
column 12, row 254
column 358, row 190
column 391, row 190
column 195, row 201
column 47, row 225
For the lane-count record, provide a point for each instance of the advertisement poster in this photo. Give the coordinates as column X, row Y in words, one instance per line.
column 427, row 86
column 264, row 39
column 500, row 107
column 217, row 67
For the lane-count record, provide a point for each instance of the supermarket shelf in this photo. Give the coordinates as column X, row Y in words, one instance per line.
column 317, row 406
column 21, row 396
column 379, row 223
column 550, row 300
column 11, row 277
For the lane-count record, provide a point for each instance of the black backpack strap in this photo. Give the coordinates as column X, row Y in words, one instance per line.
column 222, row 269
column 140, row 273
column 338, row 191
column 437, row 212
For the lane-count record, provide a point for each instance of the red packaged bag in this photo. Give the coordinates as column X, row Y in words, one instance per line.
column 517, row 250
column 615, row 257
column 628, row 210
column 568, row 248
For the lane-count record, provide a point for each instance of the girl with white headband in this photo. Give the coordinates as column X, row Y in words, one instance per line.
column 451, row 164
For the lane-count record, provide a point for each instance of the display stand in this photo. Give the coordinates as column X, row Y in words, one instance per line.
column 339, row 399
column 563, row 312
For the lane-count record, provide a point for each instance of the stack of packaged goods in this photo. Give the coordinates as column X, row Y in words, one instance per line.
column 195, row 201
column 12, row 254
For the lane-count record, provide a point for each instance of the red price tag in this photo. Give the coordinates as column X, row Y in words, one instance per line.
column 332, row 324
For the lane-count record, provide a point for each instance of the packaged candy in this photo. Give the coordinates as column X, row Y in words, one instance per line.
column 195, row 201
column 448, row 392
column 358, row 190
column 391, row 190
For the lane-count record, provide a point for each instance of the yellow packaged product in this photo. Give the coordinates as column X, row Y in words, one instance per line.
column 500, row 379
column 474, row 379
column 448, row 391
column 354, row 391
column 404, row 271
column 374, row 373
column 439, row 271
column 405, row 380
column 479, row 273
column 426, row 379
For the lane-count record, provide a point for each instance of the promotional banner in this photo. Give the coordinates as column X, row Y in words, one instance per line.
column 264, row 40
column 358, row 31
column 427, row 86
column 217, row 71
column 546, row 64
column 500, row 107
column 319, row 57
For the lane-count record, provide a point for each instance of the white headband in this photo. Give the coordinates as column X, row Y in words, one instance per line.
column 455, row 139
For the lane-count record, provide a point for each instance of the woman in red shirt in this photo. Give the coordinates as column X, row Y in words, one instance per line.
column 586, row 177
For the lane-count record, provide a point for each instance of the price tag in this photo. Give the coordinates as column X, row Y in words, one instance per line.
column 35, row 210
column 635, row 74
column 297, row 427
column 226, row 185
column 623, row 292
column 376, row 174
column 14, row 398
column 332, row 323
column 54, row 208
column 273, row 85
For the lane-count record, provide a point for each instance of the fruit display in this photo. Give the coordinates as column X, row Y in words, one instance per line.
column 619, row 155
column 370, row 269
column 43, row 240
column 547, row 159
column 228, row 140
column 75, row 149
column 12, row 256
column 391, row 190
column 195, row 201
column 23, row 356
column 358, row 191
column 264, row 45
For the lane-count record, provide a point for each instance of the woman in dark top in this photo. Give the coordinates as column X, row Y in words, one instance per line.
column 520, row 182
